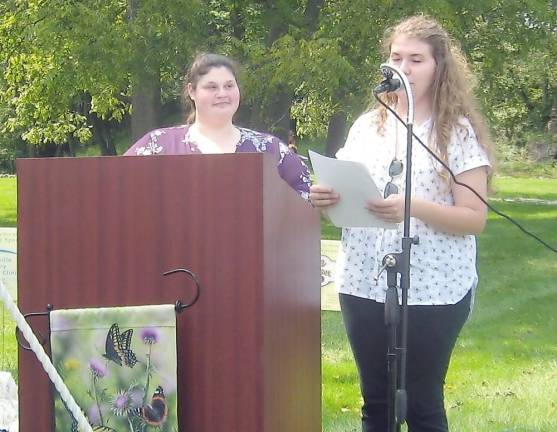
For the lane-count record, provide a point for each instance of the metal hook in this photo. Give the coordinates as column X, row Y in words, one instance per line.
column 40, row 337
column 179, row 305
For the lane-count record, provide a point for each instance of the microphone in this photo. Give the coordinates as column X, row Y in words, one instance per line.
column 387, row 85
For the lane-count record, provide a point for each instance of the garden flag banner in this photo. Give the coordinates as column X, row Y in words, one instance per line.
column 120, row 366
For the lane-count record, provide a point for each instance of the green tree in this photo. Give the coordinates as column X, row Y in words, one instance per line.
column 72, row 68
column 514, row 47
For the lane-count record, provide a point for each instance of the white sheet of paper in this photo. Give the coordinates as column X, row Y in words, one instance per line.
column 352, row 181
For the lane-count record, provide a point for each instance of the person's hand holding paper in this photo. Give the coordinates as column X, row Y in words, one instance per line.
column 390, row 209
column 355, row 196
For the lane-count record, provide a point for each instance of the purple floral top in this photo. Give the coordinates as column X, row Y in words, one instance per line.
column 177, row 141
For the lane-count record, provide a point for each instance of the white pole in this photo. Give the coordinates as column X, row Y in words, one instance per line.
column 49, row 368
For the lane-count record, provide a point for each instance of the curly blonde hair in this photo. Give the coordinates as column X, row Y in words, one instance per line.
column 452, row 85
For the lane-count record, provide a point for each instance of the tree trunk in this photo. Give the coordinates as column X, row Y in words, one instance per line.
column 65, row 149
column 102, row 135
column 336, row 133
column 275, row 22
column 46, row 150
column 146, row 106
column 552, row 123
column 146, row 91
column 133, row 6
column 237, row 21
column 30, row 149
column 279, row 114
column 71, row 146
column 312, row 14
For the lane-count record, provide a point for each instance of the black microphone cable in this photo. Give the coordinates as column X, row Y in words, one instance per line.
column 493, row 209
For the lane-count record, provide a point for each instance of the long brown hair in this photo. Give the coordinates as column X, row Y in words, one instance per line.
column 202, row 64
column 452, row 86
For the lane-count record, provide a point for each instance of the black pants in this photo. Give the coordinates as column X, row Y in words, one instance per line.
column 432, row 333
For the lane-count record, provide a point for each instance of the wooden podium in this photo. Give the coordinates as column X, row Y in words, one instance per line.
column 101, row 231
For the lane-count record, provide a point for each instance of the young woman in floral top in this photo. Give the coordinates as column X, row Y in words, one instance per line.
column 212, row 91
column 444, row 215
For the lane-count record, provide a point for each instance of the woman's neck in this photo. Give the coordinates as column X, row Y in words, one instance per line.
column 422, row 111
column 215, row 137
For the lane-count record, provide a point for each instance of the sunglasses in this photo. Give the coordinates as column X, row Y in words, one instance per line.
column 395, row 169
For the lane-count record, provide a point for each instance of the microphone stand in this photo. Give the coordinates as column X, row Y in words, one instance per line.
column 396, row 315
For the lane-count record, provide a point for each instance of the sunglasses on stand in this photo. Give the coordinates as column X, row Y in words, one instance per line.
column 395, row 169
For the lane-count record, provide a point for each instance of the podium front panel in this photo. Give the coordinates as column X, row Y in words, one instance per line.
column 96, row 232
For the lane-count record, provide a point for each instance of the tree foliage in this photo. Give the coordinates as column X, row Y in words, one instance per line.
column 69, row 63
column 72, row 71
column 514, row 46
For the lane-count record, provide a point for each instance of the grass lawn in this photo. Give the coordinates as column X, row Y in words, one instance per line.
column 8, row 202
column 504, row 369
column 535, row 188
column 8, row 218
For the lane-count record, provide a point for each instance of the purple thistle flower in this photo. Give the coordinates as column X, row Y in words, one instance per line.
column 98, row 369
column 122, row 403
column 149, row 335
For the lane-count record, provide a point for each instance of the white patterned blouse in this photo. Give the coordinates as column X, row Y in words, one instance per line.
column 443, row 266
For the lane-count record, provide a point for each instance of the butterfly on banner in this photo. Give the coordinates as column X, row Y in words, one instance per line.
column 155, row 413
column 117, row 347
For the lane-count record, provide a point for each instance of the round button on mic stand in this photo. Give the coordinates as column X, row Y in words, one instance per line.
column 395, row 264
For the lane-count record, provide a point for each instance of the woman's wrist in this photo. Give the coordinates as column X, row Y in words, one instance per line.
column 416, row 207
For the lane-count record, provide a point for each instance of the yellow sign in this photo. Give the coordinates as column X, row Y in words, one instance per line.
column 329, row 294
column 8, row 259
